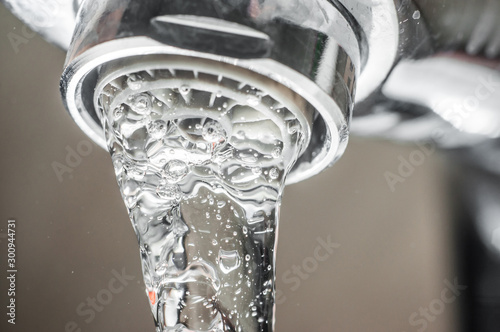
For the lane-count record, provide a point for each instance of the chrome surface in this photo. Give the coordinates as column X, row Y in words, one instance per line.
column 321, row 49
column 310, row 53
column 392, row 44
column 54, row 20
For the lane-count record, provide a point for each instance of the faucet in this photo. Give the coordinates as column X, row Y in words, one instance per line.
column 406, row 70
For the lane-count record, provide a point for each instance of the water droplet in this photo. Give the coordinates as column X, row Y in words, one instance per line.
column 221, row 204
column 213, row 132
column 247, row 257
column 157, row 129
column 141, row 103
column 228, row 260
column 274, row 173
column 416, row 15
column 175, row 170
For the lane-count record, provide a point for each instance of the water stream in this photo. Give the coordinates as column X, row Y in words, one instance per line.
column 201, row 171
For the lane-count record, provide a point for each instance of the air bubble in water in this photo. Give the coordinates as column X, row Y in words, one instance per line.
column 157, row 129
column 141, row 103
column 228, row 260
column 213, row 132
column 257, row 170
column 168, row 191
column 175, row 170
column 184, row 89
column 136, row 172
column 274, row 173
column 253, row 100
column 293, row 127
column 118, row 112
column 276, row 153
column 134, row 82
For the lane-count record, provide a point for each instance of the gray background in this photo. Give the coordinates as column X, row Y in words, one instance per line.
column 396, row 248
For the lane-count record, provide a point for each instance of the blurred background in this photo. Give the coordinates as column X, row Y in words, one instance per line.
column 399, row 250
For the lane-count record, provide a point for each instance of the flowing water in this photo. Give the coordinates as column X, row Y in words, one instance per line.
column 201, row 175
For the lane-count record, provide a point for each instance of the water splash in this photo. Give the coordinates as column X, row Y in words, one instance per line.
column 202, row 176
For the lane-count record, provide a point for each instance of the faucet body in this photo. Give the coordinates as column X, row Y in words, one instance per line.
column 382, row 50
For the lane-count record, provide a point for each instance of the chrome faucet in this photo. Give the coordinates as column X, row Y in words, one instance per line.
column 420, row 70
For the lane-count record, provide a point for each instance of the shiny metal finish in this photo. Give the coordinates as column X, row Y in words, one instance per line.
column 316, row 56
column 54, row 20
column 376, row 35
column 377, row 22
column 444, row 86
column 320, row 49
column 471, row 107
